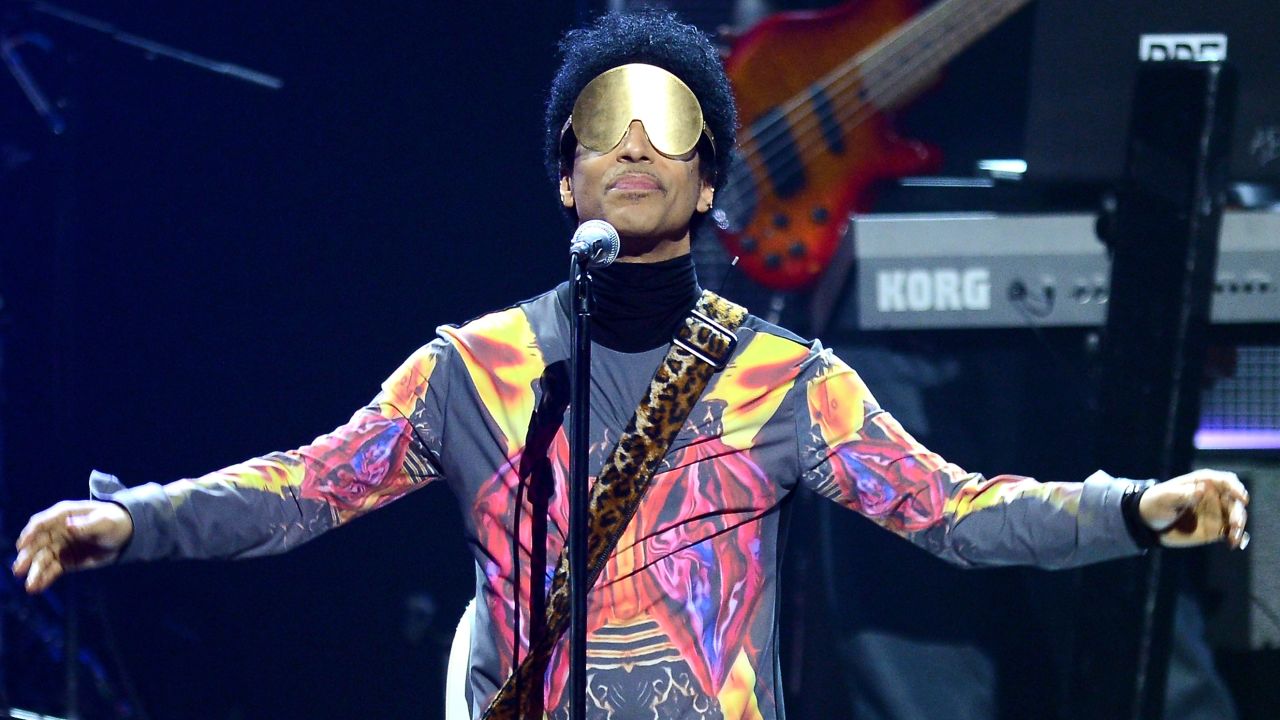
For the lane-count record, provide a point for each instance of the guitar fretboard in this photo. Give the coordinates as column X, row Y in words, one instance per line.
column 893, row 69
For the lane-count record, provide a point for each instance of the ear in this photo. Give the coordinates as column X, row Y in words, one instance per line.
column 566, row 191
column 706, row 195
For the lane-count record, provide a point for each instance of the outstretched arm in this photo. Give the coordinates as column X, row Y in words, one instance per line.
column 855, row 453
column 262, row 506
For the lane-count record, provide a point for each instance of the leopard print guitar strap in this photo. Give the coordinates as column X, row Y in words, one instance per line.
column 702, row 346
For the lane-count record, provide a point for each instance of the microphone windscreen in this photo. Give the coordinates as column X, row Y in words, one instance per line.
column 598, row 240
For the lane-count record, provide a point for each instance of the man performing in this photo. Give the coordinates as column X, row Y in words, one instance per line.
column 683, row 617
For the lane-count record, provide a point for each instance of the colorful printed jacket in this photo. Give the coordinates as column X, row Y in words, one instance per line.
column 683, row 619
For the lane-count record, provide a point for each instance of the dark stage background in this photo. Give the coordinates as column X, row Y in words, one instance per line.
column 203, row 271
column 240, row 271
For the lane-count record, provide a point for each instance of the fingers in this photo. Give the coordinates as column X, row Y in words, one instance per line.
column 1226, row 482
column 1211, row 513
column 45, row 569
column 1236, row 519
column 44, row 534
column 53, row 521
column 1212, row 505
column 23, row 563
column 42, row 542
column 1238, row 492
column 42, row 522
column 38, row 559
column 1232, row 499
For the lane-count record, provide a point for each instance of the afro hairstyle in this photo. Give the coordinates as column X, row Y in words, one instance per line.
column 655, row 37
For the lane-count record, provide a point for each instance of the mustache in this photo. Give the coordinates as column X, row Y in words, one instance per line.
column 618, row 177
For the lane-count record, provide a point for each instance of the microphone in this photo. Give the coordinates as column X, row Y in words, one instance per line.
column 597, row 241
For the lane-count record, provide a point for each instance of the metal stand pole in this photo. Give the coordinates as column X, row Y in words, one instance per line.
column 579, row 436
column 1165, row 251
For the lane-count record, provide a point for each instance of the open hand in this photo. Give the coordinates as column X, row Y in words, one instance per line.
column 72, row 535
column 1197, row 508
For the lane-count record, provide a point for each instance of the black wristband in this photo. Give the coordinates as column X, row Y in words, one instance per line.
column 1141, row 533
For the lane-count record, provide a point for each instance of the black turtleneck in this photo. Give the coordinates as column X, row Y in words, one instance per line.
column 639, row 306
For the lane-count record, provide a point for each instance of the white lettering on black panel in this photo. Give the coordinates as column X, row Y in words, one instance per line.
column 1197, row 47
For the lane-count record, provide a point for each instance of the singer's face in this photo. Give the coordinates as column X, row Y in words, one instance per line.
column 649, row 197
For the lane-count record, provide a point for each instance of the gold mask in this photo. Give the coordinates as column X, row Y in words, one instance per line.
column 664, row 105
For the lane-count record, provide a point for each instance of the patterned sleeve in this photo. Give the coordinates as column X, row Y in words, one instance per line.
column 856, row 454
column 276, row 502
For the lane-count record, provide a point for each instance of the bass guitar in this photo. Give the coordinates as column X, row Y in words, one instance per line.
column 813, row 91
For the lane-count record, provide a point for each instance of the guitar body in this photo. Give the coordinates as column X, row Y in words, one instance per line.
column 785, row 230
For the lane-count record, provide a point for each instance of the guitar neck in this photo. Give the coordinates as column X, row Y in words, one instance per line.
column 895, row 68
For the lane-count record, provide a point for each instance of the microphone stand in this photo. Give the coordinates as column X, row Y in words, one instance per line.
column 580, row 429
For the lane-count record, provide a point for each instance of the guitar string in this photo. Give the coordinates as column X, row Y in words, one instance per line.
column 878, row 96
column 842, row 78
column 808, row 131
column 839, row 80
